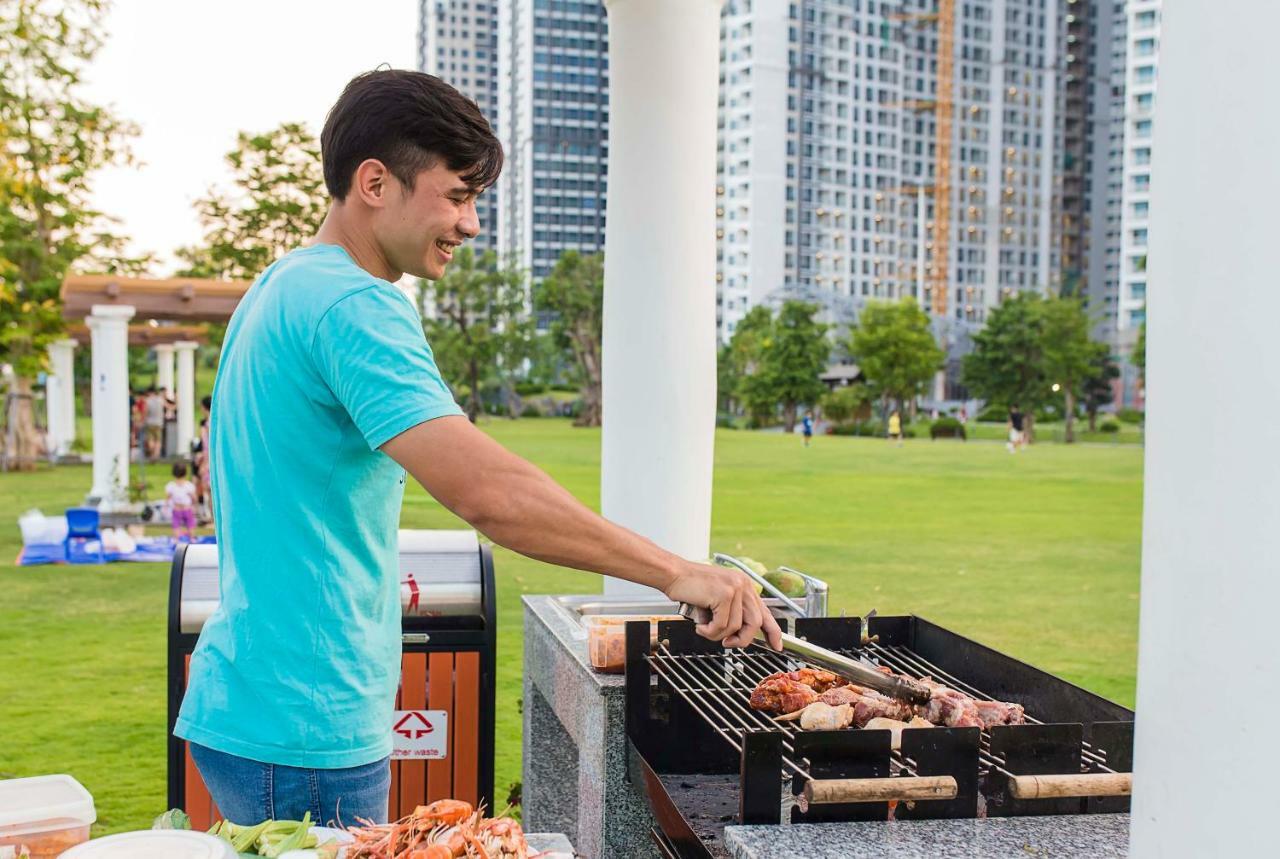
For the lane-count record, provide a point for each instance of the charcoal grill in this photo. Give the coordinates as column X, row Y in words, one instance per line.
column 706, row 760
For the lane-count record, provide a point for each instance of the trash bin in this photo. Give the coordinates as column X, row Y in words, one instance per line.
column 444, row 722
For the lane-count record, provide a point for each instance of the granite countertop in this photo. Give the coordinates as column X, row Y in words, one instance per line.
column 550, row 842
column 572, row 636
column 1079, row 836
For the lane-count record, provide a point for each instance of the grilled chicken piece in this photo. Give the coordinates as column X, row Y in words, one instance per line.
column 873, row 705
column 818, row 680
column 1000, row 713
column 780, row 693
column 951, row 708
column 821, row 717
column 842, row 695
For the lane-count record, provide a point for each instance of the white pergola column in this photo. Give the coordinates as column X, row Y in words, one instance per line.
column 60, row 396
column 659, row 374
column 1208, row 635
column 164, row 368
column 186, row 350
column 109, row 331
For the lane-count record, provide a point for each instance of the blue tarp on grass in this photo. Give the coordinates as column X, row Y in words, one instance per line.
column 150, row 550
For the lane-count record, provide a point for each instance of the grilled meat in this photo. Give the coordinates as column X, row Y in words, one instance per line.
column 793, row 691
column 1000, row 713
column 821, row 717
column 780, row 693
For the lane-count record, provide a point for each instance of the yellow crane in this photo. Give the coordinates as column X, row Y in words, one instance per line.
column 943, row 107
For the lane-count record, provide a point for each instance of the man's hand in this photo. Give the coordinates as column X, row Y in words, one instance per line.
column 737, row 612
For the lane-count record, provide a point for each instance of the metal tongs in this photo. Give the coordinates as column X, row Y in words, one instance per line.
column 901, row 688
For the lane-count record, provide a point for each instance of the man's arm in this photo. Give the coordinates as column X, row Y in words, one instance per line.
column 517, row 505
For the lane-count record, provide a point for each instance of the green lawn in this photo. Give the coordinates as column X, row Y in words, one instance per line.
column 1036, row 554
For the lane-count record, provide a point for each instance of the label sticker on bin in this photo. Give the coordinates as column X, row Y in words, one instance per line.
column 420, row 735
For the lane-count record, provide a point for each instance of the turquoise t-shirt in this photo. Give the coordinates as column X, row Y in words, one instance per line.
column 321, row 365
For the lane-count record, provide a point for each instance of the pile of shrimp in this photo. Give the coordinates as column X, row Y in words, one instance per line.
column 445, row 829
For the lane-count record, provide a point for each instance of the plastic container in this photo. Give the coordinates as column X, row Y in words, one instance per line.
column 154, row 844
column 607, row 639
column 46, row 815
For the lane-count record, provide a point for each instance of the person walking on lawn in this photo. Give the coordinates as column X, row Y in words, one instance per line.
column 293, row 682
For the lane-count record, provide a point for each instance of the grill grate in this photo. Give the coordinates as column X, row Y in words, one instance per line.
column 718, row 687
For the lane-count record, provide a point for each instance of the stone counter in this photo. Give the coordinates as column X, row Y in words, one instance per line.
column 575, row 771
column 1083, row 836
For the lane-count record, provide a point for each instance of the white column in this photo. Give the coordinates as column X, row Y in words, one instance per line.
column 164, row 368
column 60, row 396
column 1208, row 636
column 186, row 395
column 109, row 329
column 659, row 370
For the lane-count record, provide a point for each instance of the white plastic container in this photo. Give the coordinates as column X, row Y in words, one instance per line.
column 154, row 844
column 46, row 815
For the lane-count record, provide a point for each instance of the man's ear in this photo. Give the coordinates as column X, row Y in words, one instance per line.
column 372, row 183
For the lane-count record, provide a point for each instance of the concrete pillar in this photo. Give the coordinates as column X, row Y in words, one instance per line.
column 109, row 331
column 60, row 397
column 186, row 395
column 1208, row 636
column 659, row 374
column 164, row 368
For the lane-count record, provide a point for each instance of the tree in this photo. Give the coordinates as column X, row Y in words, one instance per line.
column 574, row 294
column 277, row 201
column 477, row 322
column 1139, row 357
column 791, row 361
column 53, row 141
column 741, row 355
column 895, row 349
column 1007, row 362
column 1069, row 355
column 843, row 405
column 1097, row 388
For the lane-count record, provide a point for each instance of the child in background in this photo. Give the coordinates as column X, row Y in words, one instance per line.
column 182, row 499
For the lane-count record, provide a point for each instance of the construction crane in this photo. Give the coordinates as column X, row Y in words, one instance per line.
column 943, row 107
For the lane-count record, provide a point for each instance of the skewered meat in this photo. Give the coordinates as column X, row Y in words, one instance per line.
column 779, row 693
column 821, row 717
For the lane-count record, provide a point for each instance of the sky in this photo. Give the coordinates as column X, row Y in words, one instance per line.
column 191, row 73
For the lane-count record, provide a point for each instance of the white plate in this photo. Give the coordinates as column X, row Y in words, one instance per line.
column 154, row 844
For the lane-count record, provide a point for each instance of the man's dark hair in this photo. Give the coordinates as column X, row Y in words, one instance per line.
column 407, row 120
column 207, row 402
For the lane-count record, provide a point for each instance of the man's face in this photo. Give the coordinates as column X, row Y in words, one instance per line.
column 420, row 230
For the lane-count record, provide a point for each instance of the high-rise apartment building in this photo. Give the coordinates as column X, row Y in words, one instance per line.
column 1142, row 42
column 829, row 154
column 553, row 94
column 458, row 42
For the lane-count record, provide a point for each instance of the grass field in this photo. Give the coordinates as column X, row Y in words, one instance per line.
column 1035, row 554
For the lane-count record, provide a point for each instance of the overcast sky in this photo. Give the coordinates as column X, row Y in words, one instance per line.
column 191, row 74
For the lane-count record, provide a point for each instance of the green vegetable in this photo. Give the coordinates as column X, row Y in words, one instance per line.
column 174, row 818
column 790, row 584
column 269, row 838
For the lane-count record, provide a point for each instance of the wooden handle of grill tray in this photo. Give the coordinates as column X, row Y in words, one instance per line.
column 835, row 790
column 1057, row 786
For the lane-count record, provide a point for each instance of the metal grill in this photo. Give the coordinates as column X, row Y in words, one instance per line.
column 718, row 687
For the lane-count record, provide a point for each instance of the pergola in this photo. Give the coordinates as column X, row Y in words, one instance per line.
column 104, row 305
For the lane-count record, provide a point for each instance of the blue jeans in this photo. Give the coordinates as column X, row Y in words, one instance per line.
column 249, row 792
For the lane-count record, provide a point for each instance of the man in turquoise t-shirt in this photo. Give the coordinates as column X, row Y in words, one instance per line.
column 327, row 394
